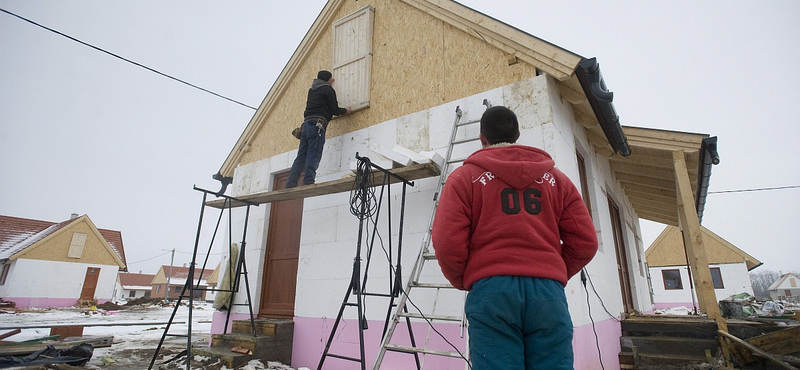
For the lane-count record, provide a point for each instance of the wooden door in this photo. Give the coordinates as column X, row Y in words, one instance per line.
column 622, row 257
column 90, row 283
column 280, row 264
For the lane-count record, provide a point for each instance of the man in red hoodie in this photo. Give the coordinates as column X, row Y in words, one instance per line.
column 512, row 229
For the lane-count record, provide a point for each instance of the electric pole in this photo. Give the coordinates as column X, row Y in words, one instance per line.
column 169, row 276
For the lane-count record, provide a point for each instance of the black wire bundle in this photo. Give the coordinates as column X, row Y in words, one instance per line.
column 363, row 203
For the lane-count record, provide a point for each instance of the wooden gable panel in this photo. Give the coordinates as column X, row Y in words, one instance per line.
column 668, row 250
column 433, row 62
column 56, row 247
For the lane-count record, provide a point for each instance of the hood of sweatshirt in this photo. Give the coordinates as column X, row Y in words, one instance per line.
column 317, row 83
column 516, row 165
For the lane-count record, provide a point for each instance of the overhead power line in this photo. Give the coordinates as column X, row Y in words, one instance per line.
column 758, row 189
column 128, row 60
column 151, row 258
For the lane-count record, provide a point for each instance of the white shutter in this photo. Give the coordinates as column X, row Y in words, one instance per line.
column 76, row 246
column 352, row 58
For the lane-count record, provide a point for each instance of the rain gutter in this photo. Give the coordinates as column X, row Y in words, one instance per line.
column 600, row 99
column 708, row 157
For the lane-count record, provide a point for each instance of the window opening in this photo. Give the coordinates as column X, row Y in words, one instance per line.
column 672, row 279
column 716, row 278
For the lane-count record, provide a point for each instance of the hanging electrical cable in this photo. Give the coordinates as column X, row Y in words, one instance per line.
column 127, row 60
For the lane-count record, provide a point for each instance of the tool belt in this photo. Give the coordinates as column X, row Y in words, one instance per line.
column 320, row 122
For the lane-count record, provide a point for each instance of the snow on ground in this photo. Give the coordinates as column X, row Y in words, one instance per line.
column 136, row 331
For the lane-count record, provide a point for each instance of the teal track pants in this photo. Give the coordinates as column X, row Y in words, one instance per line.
column 519, row 322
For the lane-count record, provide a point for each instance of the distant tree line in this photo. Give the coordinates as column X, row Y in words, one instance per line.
column 762, row 279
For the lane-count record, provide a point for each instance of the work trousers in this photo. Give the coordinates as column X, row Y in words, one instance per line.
column 518, row 322
column 312, row 139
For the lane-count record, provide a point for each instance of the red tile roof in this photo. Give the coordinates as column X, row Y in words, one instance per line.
column 179, row 272
column 130, row 279
column 18, row 233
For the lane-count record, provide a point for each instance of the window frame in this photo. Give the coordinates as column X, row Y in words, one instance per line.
column 584, row 181
column 679, row 279
column 719, row 275
column 4, row 273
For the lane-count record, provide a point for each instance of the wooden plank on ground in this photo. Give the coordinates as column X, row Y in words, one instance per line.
column 13, row 332
column 26, row 348
column 782, row 342
column 107, row 323
column 409, row 173
column 758, row 351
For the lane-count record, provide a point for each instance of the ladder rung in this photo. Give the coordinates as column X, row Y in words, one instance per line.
column 462, row 141
column 396, row 348
column 433, row 285
column 429, row 256
column 430, row 317
column 467, row 122
column 456, row 160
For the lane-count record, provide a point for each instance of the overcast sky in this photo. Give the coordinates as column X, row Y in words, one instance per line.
column 84, row 132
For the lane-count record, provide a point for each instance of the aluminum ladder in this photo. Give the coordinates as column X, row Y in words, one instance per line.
column 462, row 137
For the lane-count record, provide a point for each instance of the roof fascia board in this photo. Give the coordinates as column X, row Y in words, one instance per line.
column 551, row 59
column 663, row 139
column 313, row 35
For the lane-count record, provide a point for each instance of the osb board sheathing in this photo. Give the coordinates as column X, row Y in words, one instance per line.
column 668, row 249
column 57, row 247
column 418, row 62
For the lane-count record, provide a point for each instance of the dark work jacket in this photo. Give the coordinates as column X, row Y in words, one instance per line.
column 322, row 102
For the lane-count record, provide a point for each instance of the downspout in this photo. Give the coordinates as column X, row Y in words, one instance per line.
column 708, row 157
column 594, row 87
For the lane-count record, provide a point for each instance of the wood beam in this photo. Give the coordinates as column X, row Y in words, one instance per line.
column 639, row 158
column 586, row 120
column 640, row 168
column 644, row 180
column 660, row 218
column 693, row 239
column 573, row 96
column 696, row 250
column 409, row 173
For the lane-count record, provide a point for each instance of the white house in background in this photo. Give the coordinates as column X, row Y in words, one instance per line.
column 46, row 264
column 202, row 280
column 405, row 66
column 786, row 288
column 132, row 286
column 669, row 275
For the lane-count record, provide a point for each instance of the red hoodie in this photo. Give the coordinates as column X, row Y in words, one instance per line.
column 508, row 211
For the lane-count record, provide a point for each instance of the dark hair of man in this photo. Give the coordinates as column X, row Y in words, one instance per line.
column 499, row 125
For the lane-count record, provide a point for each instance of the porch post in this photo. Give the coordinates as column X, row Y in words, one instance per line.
column 693, row 239
column 696, row 250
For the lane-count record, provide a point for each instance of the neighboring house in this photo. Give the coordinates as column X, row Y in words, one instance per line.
column 132, row 286
column 178, row 280
column 46, row 264
column 213, row 283
column 786, row 288
column 669, row 275
column 406, row 65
